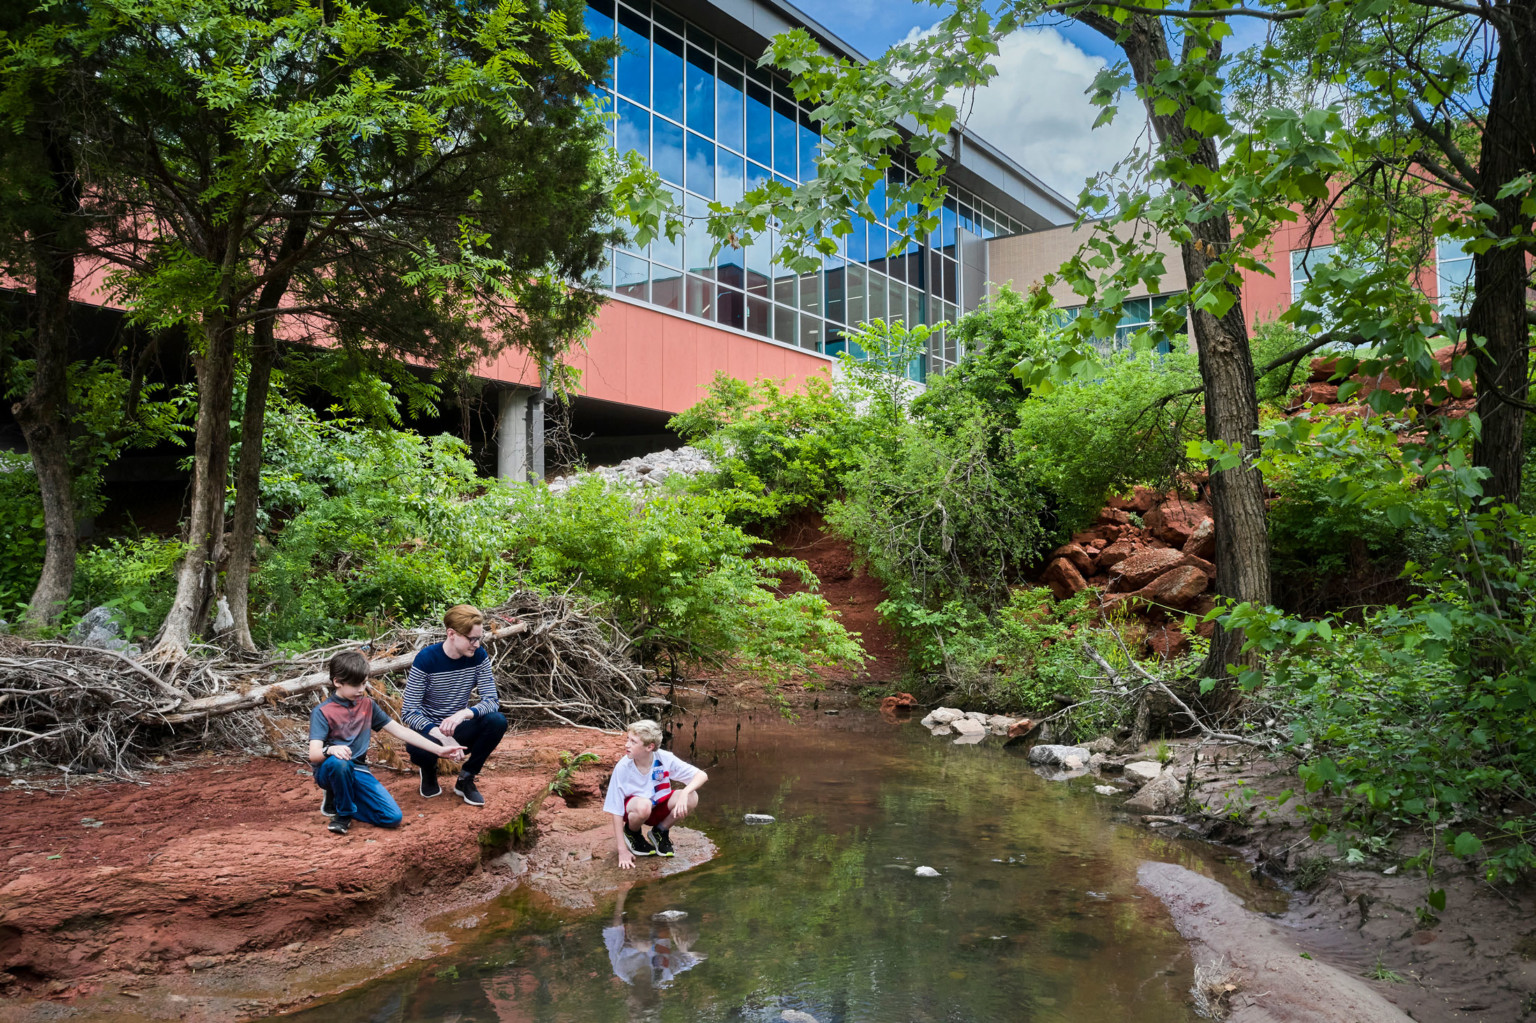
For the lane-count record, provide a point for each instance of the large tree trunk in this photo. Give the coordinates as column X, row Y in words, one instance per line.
column 1502, row 277
column 197, row 574
column 41, row 411
column 1226, row 361
column 242, row 533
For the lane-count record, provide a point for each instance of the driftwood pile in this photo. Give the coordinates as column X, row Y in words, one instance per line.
column 80, row 708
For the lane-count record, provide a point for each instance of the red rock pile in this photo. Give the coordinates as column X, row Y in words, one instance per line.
column 1321, row 389
column 1158, row 568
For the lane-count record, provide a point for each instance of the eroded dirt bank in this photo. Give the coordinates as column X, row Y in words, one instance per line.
column 213, row 891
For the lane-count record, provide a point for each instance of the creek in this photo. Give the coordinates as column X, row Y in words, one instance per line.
column 1035, row 915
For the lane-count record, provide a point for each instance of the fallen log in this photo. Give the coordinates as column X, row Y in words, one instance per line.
column 275, row 692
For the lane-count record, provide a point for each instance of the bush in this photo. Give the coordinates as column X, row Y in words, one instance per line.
column 779, row 451
column 21, row 523
column 135, row 575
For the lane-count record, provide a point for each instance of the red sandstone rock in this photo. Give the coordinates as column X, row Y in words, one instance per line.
column 1075, row 553
column 1324, row 394
column 901, row 701
column 1202, row 542
column 1063, row 578
column 1097, row 544
column 1175, row 519
column 1117, row 552
column 1200, row 563
column 1141, row 501
column 1176, row 588
column 1142, row 567
column 1113, row 517
column 1023, row 726
column 1167, row 642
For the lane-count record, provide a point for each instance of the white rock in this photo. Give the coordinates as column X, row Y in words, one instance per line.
column 1106, row 790
column 978, row 717
column 1073, row 763
column 940, row 730
column 758, row 818
column 1160, row 795
column 926, row 872
column 669, row 915
column 796, row 1016
column 998, row 724
column 1057, row 755
column 945, row 715
column 223, row 621
column 1143, row 771
column 969, row 726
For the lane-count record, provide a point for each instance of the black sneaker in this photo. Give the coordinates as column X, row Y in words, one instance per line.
column 429, row 785
column 637, row 843
column 328, row 803
column 465, row 787
column 339, row 825
column 663, row 839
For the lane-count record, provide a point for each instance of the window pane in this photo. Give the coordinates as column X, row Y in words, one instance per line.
column 666, row 250
column 757, row 316
column 810, row 333
column 701, row 92
column 634, row 129
column 914, row 307
column 858, row 242
column 759, row 266
column 631, row 275
column 667, row 66
column 729, row 271
column 757, row 175
column 731, row 308
column 877, row 289
column 701, row 299
column 667, row 157
column 877, row 206
column 599, row 18
column 784, row 290
column 634, row 78
column 810, row 293
column 700, row 246
column 858, row 304
column 701, row 165
column 835, row 294
column 759, row 124
column 784, row 137
column 785, row 325
column 1304, row 263
column 667, row 288
column 667, row 19
column 731, row 111
column 731, row 174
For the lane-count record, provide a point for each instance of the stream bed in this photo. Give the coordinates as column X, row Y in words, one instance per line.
column 1035, row 914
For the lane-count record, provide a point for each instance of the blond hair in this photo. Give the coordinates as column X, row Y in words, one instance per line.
column 463, row 617
column 647, row 731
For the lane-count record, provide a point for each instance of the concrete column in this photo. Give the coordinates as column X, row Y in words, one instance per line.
column 520, row 436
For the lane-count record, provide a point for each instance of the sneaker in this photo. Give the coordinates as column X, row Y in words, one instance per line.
column 328, row 803
column 663, row 839
column 339, row 825
column 429, row 785
column 465, row 787
column 637, row 843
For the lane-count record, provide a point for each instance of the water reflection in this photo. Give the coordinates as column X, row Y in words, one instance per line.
column 1035, row 914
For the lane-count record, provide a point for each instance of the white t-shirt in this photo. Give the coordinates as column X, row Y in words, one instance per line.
column 628, row 780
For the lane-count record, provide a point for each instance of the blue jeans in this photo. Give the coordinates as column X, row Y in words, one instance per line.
column 357, row 792
column 480, row 736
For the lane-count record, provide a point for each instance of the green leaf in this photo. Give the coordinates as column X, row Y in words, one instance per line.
column 1436, row 900
column 1439, row 625
column 1466, row 845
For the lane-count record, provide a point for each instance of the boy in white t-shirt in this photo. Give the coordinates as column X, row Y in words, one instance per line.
column 640, row 793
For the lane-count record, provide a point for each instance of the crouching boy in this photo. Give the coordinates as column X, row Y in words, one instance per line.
column 640, row 793
column 339, row 732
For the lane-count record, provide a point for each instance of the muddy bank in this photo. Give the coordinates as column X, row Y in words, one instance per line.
column 1473, row 961
column 213, row 890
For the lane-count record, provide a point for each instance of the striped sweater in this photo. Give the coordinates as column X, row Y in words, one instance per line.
column 438, row 685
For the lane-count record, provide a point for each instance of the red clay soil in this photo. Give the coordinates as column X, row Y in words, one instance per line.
column 229, row 854
column 851, row 591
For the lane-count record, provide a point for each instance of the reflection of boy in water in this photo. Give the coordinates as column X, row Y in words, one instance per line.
column 654, row 961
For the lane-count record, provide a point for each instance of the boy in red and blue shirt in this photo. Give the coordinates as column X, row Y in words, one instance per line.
column 340, row 729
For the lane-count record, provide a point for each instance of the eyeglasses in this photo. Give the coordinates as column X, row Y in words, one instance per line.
column 472, row 640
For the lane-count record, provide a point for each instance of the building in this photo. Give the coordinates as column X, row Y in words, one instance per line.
column 688, row 95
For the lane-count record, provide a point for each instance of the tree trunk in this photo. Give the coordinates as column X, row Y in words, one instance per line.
column 41, row 411
column 197, row 574
column 1501, row 275
column 1226, row 360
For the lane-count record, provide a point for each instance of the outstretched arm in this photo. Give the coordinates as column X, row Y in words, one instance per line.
column 404, row 734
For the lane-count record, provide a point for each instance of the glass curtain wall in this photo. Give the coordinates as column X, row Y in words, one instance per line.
column 714, row 125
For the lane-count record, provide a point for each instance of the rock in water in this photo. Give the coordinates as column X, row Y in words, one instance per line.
column 926, row 872
column 969, row 726
column 1057, row 756
column 758, row 818
column 796, row 1016
column 1142, row 771
column 1105, row 790
column 670, row 915
column 1160, row 795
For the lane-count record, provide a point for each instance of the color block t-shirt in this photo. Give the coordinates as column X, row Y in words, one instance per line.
column 348, row 722
column 628, row 780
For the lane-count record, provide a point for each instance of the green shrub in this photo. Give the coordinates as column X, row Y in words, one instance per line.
column 21, row 523
column 135, row 575
column 779, row 451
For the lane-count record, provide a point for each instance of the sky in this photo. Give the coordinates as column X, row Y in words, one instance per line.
column 1036, row 109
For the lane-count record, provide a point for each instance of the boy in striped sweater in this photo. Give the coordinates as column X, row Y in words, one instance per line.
column 450, row 698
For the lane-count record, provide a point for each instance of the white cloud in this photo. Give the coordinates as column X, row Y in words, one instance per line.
column 1036, row 111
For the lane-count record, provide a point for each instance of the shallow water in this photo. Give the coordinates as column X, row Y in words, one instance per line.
column 1035, row 916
